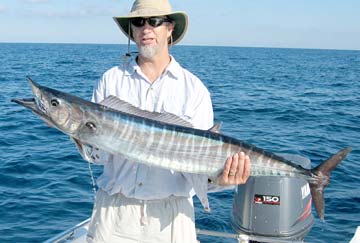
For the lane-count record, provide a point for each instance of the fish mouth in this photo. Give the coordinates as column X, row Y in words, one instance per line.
column 33, row 103
column 27, row 103
column 30, row 104
column 36, row 88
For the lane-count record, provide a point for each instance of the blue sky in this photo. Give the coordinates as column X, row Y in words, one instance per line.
column 330, row 24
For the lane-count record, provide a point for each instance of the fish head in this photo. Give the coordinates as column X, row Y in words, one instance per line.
column 56, row 108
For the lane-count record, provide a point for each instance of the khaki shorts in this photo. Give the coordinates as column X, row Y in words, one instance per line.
column 126, row 220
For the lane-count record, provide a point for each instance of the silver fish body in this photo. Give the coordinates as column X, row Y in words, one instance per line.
column 177, row 147
column 164, row 140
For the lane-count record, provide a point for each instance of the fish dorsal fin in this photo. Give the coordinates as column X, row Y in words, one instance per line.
column 120, row 105
column 216, row 128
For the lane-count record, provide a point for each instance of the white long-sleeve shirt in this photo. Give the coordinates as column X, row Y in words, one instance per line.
column 176, row 91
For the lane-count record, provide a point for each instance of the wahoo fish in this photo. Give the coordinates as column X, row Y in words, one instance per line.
column 164, row 140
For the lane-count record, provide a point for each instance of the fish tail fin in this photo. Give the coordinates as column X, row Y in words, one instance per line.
column 321, row 178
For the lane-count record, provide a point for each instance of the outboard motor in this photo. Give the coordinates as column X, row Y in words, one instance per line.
column 274, row 207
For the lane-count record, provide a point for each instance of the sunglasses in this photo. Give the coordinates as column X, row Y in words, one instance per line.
column 153, row 21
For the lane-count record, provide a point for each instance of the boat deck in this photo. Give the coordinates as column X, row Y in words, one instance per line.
column 77, row 234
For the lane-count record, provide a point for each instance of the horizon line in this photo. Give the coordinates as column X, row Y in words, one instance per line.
column 195, row 45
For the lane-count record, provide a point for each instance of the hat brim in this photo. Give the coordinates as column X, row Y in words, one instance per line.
column 180, row 19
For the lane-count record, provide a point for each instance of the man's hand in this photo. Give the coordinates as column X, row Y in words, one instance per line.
column 236, row 170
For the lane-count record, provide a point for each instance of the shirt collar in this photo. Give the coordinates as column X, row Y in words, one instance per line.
column 131, row 66
column 173, row 69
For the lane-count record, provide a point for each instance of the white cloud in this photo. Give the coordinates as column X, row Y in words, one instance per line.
column 2, row 9
column 88, row 12
column 36, row 1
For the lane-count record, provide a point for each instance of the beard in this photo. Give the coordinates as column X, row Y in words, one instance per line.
column 148, row 51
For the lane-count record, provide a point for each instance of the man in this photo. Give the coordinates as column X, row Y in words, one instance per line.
column 135, row 202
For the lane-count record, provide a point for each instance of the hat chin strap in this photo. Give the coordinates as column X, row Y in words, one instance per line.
column 128, row 54
column 171, row 41
column 129, row 31
column 125, row 58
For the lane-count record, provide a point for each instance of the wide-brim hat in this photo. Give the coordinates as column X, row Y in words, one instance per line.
column 150, row 8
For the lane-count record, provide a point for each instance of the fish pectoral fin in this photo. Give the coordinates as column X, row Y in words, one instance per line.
column 216, row 128
column 117, row 104
column 83, row 149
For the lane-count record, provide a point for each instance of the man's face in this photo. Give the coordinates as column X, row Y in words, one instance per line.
column 151, row 40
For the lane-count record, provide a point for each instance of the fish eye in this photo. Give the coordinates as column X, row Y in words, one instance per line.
column 54, row 102
column 91, row 126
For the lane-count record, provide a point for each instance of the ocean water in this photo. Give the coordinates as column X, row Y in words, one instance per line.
column 299, row 101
